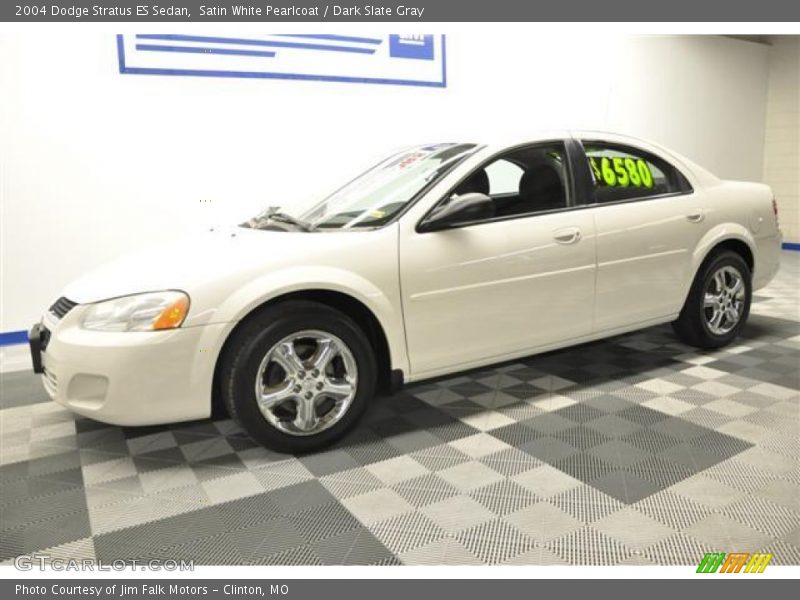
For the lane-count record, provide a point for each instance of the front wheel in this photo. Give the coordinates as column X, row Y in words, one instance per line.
column 718, row 303
column 297, row 376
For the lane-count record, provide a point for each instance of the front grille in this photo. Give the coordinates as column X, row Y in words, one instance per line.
column 62, row 306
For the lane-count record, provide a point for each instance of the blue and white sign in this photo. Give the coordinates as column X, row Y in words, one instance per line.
column 393, row 59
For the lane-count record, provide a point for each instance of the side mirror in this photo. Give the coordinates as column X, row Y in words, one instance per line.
column 459, row 209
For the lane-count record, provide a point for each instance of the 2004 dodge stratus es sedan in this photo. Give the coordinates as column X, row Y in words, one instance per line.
column 442, row 257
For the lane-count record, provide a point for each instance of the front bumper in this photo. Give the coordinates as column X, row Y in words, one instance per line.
column 127, row 378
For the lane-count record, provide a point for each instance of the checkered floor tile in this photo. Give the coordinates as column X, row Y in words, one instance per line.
column 632, row 450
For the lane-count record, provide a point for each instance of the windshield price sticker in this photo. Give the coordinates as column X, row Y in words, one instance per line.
column 410, row 159
column 621, row 171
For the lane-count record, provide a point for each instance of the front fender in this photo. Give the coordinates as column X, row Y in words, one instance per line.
column 278, row 283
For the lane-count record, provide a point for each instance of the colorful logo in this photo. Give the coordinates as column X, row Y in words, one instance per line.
column 735, row 562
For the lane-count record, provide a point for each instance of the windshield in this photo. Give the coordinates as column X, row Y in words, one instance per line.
column 374, row 197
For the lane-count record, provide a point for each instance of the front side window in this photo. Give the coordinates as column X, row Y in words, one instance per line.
column 504, row 177
column 523, row 181
column 375, row 197
column 622, row 173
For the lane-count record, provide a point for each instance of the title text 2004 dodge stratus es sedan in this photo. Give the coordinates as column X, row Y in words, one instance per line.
column 441, row 258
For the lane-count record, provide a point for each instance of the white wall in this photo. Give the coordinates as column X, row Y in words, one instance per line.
column 93, row 163
column 782, row 140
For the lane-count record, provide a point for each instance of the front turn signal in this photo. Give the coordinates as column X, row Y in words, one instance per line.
column 173, row 315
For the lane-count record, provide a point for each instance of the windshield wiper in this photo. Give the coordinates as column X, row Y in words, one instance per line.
column 284, row 218
column 272, row 214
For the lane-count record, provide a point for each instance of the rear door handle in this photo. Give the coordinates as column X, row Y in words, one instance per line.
column 696, row 215
column 570, row 235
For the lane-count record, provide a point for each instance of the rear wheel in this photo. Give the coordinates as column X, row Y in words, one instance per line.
column 297, row 376
column 718, row 303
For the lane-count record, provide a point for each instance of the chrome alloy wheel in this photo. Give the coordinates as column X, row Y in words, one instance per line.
column 724, row 300
column 306, row 382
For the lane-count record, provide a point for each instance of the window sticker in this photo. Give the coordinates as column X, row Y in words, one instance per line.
column 621, row 171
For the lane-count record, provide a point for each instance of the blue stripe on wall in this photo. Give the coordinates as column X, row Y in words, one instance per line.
column 791, row 246
column 327, row 36
column 11, row 338
column 203, row 50
column 179, row 37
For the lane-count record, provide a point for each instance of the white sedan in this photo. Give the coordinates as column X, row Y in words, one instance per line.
column 443, row 257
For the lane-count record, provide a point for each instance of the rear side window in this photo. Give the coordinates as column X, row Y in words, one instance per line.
column 624, row 173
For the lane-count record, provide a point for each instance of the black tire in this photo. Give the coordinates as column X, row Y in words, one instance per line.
column 250, row 343
column 691, row 326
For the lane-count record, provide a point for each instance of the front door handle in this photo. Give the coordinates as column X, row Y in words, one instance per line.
column 696, row 215
column 570, row 235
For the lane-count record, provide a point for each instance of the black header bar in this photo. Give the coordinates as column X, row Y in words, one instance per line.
column 410, row 11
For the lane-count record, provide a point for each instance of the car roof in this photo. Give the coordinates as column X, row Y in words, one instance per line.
column 551, row 134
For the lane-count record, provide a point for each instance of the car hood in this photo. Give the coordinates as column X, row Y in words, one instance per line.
column 189, row 263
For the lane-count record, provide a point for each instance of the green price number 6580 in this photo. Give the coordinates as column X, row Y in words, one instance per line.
column 622, row 171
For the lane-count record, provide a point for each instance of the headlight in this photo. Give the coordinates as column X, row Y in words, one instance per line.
column 142, row 312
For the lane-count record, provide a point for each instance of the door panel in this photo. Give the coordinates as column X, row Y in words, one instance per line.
column 644, row 258
column 488, row 290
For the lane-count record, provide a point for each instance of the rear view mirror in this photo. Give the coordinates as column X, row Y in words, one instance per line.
column 459, row 209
